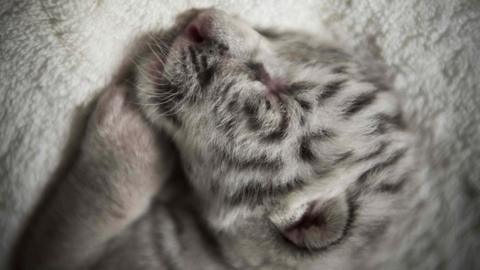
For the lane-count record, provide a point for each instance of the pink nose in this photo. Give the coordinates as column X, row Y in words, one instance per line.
column 194, row 34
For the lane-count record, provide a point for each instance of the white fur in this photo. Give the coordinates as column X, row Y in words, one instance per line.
column 431, row 43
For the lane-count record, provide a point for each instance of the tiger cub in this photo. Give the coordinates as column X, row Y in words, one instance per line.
column 292, row 154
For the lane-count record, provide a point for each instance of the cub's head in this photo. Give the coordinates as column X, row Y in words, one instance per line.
column 289, row 140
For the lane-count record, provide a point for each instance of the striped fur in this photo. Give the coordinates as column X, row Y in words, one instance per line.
column 271, row 128
column 281, row 120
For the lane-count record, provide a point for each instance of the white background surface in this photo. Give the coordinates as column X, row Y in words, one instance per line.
column 55, row 55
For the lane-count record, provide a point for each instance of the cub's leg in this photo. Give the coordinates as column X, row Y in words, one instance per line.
column 121, row 166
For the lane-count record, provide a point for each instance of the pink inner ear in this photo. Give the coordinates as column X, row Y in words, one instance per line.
column 312, row 218
column 295, row 235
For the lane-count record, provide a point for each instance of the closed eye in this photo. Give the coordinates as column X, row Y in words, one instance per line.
column 258, row 71
column 269, row 33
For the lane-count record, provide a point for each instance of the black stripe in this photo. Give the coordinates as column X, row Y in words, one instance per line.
column 395, row 120
column 255, row 70
column 333, row 55
column 300, row 87
column 183, row 59
column 260, row 162
column 322, row 134
column 379, row 167
column 205, row 77
column 179, row 94
column 340, row 70
column 204, row 61
column 281, row 131
column 305, row 152
column 385, row 122
column 168, row 90
column 268, row 105
column 329, row 90
column 226, row 89
column 223, row 93
column 254, row 193
column 175, row 120
column 193, row 96
column 251, row 111
column 229, row 125
column 359, row 103
column 232, row 105
column 392, row 188
column 193, row 58
column 222, row 48
column 250, row 108
column 378, row 150
column 304, row 104
column 342, row 157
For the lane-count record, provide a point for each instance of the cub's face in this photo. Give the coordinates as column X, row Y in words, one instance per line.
column 278, row 131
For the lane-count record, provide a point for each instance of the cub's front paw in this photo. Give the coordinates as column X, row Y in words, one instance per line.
column 117, row 134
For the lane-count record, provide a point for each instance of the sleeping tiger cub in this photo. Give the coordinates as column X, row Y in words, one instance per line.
column 231, row 148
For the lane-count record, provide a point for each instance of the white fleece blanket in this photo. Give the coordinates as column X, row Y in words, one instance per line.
column 55, row 55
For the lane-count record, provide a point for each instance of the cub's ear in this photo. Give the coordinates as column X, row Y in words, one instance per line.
column 315, row 225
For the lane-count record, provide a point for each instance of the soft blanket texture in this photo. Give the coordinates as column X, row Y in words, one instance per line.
column 56, row 55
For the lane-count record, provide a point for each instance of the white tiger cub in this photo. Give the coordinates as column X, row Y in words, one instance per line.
column 294, row 156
